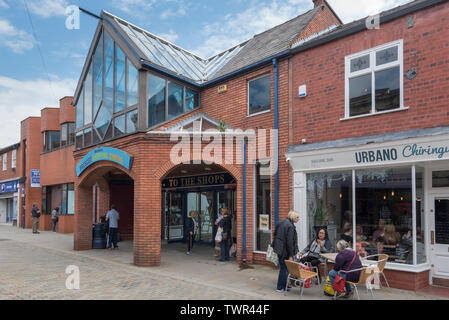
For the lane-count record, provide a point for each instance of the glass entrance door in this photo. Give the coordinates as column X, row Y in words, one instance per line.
column 439, row 237
column 202, row 204
column 174, row 219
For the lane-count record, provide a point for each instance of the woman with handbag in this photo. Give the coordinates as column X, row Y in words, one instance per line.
column 226, row 225
column 55, row 218
column 347, row 260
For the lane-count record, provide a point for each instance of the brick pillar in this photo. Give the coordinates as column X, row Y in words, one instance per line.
column 147, row 222
column 83, row 218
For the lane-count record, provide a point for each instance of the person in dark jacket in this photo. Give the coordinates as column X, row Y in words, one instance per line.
column 191, row 228
column 312, row 252
column 226, row 225
column 35, row 214
column 346, row 260
column 285, row 245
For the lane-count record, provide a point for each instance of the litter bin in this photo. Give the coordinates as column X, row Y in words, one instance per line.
column 99, row 236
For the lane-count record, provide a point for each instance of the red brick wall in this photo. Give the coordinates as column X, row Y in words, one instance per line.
column 50, row 119
column 10, row 173
column 57, row 167
column 322, row 20
column 322, row 69
column 66, row 110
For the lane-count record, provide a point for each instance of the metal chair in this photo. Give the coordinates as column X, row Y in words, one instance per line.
column 316, row 269
column 296, row 272
column 382, row 259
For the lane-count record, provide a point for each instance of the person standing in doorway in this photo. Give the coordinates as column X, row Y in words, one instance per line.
column 285, row 245
column 226, row 238
column 35, row 214
column 217, row 243
column 55, row 218
column 191, row 229
column 113, row 217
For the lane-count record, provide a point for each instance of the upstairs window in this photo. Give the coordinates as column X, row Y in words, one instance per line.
column 51, row 141
column 5, row 162
column 259, row 95
column 13, row 159
column 374, row 81
column 67, row 134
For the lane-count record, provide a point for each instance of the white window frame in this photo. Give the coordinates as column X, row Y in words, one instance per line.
column 372, row 70
column 13, row 159
column 5, row 162
column 247, row 102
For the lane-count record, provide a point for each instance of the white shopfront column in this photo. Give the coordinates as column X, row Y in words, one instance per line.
column 300, row 205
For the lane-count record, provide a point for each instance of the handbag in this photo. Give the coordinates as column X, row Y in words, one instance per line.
column 328, row 290
column 272, row 256
column 339, row 282
column 219, row 234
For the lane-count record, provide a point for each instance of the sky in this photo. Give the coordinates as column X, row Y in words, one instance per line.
column 41, row 60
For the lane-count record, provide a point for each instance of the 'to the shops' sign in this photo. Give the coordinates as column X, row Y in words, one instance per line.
column 104, row 154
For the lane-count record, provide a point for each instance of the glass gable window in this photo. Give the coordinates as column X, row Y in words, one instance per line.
column 108, row 70
column 156, row 100
column 109, row 91
column 259, row 95
column 132, row 81
column 374, row 80
column 119, row 79
column 167, row 100
column 175, row 100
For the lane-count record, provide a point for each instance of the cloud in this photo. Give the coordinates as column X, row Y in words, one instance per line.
column 17, row 40
column 233, row 29
column 350, row 10
column 22, row 99
column 181, row 10
column 133, row 6
column 3, row 4
column 48, row 8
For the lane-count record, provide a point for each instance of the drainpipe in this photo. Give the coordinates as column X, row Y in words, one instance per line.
column 276, row 142
column 244, row 202
column 95, row 203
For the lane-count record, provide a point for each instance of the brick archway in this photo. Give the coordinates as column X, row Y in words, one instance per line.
column 84, row 203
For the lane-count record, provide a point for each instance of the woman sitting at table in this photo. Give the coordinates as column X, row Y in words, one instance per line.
column 346, row 260
column 311, row 253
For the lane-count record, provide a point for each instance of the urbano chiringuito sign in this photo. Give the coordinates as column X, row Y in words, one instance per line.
column 104, row 154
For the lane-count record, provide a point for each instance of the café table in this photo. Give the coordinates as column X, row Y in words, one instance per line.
column 329, row 257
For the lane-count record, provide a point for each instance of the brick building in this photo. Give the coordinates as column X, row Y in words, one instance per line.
column 9, row 184
column 147, row 111
column 46, row 166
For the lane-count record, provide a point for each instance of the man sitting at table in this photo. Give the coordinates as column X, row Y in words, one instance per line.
column 312, row 252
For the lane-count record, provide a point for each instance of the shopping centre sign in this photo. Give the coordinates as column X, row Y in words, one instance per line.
column 383, row 154
column 104, row 154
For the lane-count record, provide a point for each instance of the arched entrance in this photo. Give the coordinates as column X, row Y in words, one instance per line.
column 202, row 188
column 100, row 186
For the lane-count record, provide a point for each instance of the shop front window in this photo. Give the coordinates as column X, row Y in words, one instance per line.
column 263, row 206
column 330, row 205
column 384, row 213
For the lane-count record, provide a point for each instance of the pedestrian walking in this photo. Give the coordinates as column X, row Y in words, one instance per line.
column 285, row 245
column 35, row 214
column 217, row 243
column 226, row 237
column 191, row 229
column 55, row 218
column 112, row 216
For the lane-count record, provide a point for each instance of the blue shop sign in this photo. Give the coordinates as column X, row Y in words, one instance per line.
column 11, row 186
column 104, row 154
column 35, row 178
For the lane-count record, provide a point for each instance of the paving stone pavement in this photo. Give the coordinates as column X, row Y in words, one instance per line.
column 33, row 267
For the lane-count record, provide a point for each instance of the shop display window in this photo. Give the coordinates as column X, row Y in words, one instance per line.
column 263, row 206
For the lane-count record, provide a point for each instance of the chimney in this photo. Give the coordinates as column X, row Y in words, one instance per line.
column 317, row 3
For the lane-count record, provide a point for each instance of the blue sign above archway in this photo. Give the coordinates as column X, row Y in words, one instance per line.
column 104, row 154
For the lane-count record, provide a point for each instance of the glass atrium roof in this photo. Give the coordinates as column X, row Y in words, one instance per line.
column 173, row 58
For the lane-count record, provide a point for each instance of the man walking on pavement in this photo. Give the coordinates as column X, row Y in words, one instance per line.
column 35, row 214
column 113, row 217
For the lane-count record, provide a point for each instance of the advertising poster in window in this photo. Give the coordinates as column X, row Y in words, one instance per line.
column 264, row 222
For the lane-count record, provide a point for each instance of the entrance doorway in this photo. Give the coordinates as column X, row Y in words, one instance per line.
column 439, row 236
column 206, row 194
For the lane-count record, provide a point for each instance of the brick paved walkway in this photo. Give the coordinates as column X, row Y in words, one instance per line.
column 33, row 267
